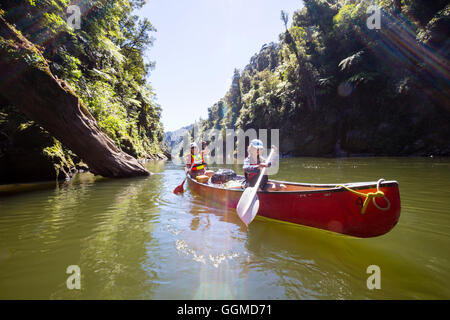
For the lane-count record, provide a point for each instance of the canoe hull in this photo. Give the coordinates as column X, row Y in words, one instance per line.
column 333, row 209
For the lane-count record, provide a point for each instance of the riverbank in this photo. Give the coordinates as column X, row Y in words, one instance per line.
column 45, row 169
column 81, row 175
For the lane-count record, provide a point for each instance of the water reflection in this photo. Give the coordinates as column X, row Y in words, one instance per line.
column 105, row 230
column 135, row 239
column 223, row 213
column 113, row 254
column 301, row 262
column 306, row 263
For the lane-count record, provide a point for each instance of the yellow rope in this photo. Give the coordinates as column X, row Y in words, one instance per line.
column 368, row 196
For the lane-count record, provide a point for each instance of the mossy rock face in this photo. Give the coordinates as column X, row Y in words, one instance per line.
column 129, row 147
column 24, row 160
column 287, row 145
column 26, row 167
column 320, row 145
column 51, row 103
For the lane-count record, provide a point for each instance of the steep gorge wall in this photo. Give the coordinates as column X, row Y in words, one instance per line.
column 27, row 83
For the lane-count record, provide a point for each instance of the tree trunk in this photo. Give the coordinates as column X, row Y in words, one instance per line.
column 26, row 81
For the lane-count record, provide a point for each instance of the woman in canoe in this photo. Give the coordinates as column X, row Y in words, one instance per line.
column 198, row 160
column 253, row 165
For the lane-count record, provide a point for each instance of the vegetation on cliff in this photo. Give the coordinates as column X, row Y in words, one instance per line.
column 102, row 62
column 335, row 87
column 51, row 103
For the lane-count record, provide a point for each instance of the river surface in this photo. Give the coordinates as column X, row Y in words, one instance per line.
column 135, row 239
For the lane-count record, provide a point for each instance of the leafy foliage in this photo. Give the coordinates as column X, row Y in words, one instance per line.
column 333, row 86
column 103, row 62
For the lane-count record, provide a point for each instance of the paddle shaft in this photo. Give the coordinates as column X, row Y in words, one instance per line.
column 258, row 182
column 181, row 185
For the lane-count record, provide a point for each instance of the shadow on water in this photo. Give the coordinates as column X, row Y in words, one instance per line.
column 104, row 228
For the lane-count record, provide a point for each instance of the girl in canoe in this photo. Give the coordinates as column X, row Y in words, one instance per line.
column 198, row 159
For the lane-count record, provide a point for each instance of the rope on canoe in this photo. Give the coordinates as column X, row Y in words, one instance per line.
column 370, row 195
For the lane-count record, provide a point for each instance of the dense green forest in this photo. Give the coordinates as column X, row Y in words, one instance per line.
column 334, row 87
column 103, row 62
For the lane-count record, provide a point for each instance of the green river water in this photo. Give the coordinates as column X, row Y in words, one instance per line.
column 135, row 239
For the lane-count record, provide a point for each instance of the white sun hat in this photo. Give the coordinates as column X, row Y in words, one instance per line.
column 257, row 144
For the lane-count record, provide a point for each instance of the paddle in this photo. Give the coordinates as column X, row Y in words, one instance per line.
column 180, row 189
column 248, row 205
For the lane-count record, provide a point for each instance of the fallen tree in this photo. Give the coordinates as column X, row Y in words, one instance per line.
column 27, row 82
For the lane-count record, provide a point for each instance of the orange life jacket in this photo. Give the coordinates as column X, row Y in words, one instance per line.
column 198, row 161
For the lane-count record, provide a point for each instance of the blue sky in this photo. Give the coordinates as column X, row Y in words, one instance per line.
column 199, row 43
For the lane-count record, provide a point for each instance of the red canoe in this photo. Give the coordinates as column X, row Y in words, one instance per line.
column 329, row 207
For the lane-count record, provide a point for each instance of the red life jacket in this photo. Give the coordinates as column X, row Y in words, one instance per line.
column 253, row 174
